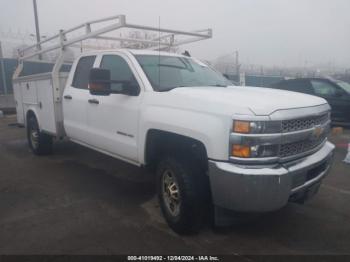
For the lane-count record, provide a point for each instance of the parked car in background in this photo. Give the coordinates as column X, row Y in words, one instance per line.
column 344, row 85
column 337, row 94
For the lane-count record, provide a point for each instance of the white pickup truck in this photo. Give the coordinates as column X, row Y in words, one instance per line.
column 239, row 149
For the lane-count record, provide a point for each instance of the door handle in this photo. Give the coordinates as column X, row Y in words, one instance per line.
column 68, row 97
column 94, row 101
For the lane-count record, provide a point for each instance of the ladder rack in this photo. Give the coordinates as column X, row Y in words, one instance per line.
column 63, row 38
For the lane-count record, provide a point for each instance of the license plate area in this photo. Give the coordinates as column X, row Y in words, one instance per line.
column 301, row 178
column 316, row 171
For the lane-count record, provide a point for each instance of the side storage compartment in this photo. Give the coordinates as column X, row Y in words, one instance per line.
column 29, row 96
column 17, row 91
column 38, row 94
column 58, row 95
column 46, row 110
column 29, row 93
column 26, row 97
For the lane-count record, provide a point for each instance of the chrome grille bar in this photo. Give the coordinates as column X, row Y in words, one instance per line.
column 303, row 123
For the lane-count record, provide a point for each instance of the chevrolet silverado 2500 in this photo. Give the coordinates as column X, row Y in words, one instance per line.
column 243, row 149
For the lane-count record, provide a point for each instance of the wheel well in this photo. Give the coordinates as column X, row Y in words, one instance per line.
column 159, row 143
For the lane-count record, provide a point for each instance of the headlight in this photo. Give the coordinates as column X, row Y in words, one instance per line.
column 248, row 139
column 256, row 127
column 254, row 151
column 264, row 151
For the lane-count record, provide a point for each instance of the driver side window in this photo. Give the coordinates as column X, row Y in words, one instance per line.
column 120, row 73
column 322, row 88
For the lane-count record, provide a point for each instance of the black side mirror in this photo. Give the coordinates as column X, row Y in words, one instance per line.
column 100, row 82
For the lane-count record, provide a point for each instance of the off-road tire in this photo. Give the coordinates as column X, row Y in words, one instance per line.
column 193, row 191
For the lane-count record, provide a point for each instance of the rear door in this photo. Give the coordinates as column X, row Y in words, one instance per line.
column 335, row 96
column 113, row 120
column 75, row 101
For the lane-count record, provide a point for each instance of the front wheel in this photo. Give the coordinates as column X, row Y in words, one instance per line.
column 39, row 143
column 182, row 194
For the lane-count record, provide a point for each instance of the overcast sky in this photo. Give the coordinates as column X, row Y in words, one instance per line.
column 270, row 32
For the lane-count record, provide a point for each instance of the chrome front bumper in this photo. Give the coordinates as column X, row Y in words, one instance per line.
column 245, row 189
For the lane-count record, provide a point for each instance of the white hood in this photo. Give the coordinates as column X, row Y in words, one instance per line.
column 261, row 101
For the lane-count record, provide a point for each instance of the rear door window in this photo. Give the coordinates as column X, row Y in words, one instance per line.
column 82, row 71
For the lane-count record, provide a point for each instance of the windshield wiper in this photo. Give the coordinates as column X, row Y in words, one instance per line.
column 218, row 85
column 171, row 88
column 171, row 66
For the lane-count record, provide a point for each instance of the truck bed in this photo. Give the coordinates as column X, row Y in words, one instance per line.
column 37, row 93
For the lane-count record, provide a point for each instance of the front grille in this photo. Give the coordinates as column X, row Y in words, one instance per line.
column 303, row 123
column 302, row 146
column 299, row 147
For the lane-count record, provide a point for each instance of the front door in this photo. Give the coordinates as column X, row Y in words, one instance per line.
column 113, row 119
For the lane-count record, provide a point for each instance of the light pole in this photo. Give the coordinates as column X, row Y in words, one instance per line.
column 37, row 27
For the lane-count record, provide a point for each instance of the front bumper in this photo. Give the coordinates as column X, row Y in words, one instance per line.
column 244, row 189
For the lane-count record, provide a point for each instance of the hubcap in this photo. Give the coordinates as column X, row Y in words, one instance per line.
column 34, row 137
column 170, row 191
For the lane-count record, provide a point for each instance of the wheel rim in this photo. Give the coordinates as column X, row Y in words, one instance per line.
column 171, row 193
column 34, row 137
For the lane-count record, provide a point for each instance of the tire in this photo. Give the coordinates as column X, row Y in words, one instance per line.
column 39, row 143
column 182, row 193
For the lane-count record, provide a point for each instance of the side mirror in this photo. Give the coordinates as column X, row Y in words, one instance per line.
column 100, row 82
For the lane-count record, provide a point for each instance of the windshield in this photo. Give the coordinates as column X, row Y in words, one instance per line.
column 344, row 85
column 169, row 72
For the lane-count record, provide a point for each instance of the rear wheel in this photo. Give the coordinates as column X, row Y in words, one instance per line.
column 39, row 143
column 182, row 194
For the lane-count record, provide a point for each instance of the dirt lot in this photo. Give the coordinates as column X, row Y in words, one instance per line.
column 78, row 201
